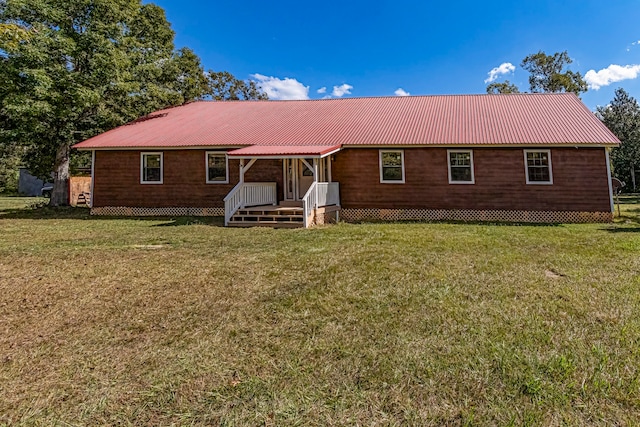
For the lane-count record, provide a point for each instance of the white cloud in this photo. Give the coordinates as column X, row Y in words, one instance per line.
column 613, row 73
column 401, row 92
column 323, row 89
column 341, row 90
column 286, row 88
column 504, row 68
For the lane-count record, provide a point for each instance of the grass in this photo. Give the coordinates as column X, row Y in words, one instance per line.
column 184, row 322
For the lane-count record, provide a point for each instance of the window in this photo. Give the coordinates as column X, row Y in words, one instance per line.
column 538, row 166
column 151, row 168
column 460, row 167
column 392, row 167
column 217, row 168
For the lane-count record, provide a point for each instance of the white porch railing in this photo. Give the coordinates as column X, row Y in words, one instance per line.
column 328, row 193
column 249, row 194
column 319, row 194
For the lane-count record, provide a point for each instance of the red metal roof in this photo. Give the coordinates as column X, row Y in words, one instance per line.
column 543, row 119
column 286, row 150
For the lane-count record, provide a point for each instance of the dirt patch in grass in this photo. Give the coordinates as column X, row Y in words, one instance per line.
column 127, row 321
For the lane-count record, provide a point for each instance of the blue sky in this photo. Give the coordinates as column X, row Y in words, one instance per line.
column 387, row 47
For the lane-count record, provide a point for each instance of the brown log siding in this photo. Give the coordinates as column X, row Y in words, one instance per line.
column 579, row 181
column 117, row 180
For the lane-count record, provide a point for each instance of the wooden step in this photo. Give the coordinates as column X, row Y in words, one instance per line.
column 271, row 212
column 266, row 224
column 266, row 218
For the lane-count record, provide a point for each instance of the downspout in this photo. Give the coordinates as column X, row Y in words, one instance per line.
column 606, row 151
column 93, row 177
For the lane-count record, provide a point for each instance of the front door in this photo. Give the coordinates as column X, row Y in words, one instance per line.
column 297, row 178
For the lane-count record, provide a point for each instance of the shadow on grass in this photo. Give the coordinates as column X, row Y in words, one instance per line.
column 214, row 221
column 42, row 211
column 625, row 223
column 616, row 230
column 45, row 212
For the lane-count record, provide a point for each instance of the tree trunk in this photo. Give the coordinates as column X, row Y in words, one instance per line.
column 633, row 176
column 60, row 193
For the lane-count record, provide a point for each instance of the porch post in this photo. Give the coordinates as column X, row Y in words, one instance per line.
column 329, row 168
column 241, row 171
column 315, row 170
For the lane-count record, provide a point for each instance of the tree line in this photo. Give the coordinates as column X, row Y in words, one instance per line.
column 71, row 69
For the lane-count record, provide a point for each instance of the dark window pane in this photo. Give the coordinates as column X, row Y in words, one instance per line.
column 152, row 174
column 539, row 174
column 461, row 174
column 391, row 174
column 217, row 174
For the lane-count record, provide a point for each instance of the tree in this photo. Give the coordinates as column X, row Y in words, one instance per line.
column 10, row 159
column 223, row 86
column 11, row 35
column 504, row 87
column 622, row 117
column 547, row 73
column 71, row 69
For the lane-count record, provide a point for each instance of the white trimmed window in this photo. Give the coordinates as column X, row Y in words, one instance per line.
column 538, row 166
column 460, row 167
column 392, row 166
column 217, row 167
column 151, row 168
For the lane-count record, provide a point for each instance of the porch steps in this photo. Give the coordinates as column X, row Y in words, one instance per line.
column 268, row 216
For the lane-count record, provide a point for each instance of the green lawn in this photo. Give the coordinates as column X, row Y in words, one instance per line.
column 184, row 322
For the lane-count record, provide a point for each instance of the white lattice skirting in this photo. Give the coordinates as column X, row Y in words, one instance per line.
column 128, row 211
column 356, row 215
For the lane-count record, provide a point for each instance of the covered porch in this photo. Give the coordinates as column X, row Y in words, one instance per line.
column 308, row 195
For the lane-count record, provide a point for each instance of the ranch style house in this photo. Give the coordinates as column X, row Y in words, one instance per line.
column 509, row 157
